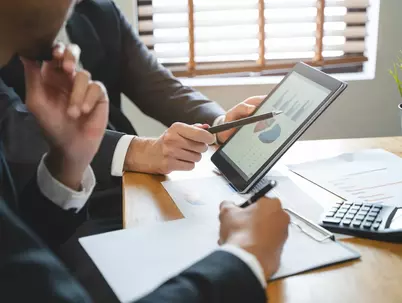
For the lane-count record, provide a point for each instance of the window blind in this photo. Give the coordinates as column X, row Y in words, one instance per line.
column 206, row 37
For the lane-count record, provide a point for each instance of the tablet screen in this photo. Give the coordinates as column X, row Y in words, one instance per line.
column 298, row 97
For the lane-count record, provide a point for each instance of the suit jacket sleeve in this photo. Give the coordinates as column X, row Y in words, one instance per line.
column 154, row 89
column 50, row 222
column 29, row 272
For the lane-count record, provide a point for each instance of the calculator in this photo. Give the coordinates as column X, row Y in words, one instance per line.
column 363, row 220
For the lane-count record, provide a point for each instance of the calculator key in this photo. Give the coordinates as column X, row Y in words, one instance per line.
column 352, row 212
column 360, row 217
column 339, row 203
column 348, row 203
column 358, row 204
column 335, row 209
column 372, row 215
column 338, row 215
column 342, row 211
column 367, row 205
column 365, row 208
column 330, row 214
column 379, row 221
column 357, row 223
column 354, row 208
column 349, row 216
column 367, row 225
column 346, row 222
column 363, row 212
column 376, row 226
column 379, row 207
column 344, row 208
column 331, row 220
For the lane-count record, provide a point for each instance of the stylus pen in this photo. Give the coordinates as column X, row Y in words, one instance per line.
column 261, row 193
column 242, row 122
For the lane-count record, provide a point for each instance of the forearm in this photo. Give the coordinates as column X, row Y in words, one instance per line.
column 155, row 90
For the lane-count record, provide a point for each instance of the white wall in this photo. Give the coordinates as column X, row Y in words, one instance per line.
column 366, row 109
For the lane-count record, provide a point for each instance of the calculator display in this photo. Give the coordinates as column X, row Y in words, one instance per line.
column 397, row 220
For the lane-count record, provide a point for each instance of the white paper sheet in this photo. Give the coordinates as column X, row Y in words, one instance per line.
column 136, row 261
column 200, row 198
column 370, row 176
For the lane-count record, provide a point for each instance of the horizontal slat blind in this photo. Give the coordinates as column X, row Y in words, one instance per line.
column 200, row 37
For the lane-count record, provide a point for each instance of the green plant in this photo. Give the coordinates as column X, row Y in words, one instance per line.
column 397, row 67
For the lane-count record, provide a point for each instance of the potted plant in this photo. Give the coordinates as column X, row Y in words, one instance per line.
column 397, row 67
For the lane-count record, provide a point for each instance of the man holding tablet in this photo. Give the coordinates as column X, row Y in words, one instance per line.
column 301, row 97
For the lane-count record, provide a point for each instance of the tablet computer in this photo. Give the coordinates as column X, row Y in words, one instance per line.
column 252, row 150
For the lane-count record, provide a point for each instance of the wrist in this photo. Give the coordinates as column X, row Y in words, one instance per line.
column 138, row 155
column 267, row 263
column 65, row 170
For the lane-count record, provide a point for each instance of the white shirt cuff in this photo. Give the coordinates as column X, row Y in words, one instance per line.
column 61, row 195
column 120, row 155
column 249, row 259
column 218, row 121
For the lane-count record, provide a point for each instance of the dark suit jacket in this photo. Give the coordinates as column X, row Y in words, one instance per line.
column 30, row 273
column 114, row 55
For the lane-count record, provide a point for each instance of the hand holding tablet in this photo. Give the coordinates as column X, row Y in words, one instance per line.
column 302, row 96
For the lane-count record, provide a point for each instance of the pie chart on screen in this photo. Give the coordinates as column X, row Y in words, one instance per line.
column 262, row 125
column 270, row 135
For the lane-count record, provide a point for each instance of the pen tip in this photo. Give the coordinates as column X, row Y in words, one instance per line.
column 278, row 112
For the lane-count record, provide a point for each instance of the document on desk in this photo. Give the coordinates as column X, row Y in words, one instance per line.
column 199, row 198
column 370, row 176
column 136, row 261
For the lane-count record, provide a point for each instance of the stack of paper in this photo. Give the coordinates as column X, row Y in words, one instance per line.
column 371, row 176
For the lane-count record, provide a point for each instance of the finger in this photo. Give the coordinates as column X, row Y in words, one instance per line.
column 71, row 58
column 256, row 100
column 58, row 51
column 202, row 126
column 226, row 205
column 96, row 91
column 243, row 110
column 97, row 119
column 184, row 155
column 177, row 165
column 80, row 86
column 194, row 133
column 33, row 77
column 172, row 138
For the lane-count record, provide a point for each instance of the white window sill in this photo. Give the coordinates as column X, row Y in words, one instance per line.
column 229, row 81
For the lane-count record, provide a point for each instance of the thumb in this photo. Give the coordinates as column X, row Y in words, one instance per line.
column 33, row 75
column 226, row 205
column 202, row 126
column 244, row 110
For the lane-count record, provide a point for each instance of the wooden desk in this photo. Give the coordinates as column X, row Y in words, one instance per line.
column 376, row 278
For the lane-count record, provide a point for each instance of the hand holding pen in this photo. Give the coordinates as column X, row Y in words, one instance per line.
column 260, row 229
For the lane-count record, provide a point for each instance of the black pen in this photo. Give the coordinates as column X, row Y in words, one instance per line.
column 261, row 193
column 242, row 122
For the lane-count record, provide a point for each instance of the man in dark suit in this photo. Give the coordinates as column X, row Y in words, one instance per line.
column 114, row 55
column 72, row 112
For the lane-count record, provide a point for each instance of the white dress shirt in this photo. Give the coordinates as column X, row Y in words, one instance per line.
column 66, row 198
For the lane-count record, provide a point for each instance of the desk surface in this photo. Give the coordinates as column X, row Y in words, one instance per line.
column 377, row 277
